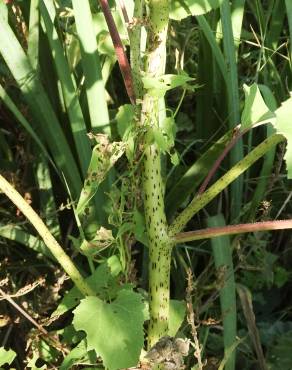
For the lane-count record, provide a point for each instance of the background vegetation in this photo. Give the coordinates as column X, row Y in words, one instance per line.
column 68, row 128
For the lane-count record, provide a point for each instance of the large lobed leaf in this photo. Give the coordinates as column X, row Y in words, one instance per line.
column 114, row 330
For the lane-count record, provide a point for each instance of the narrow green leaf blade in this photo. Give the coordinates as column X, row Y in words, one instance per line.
column 69, row 92
column 33, row 35
column 39, row 104
column 222, row 253
column 91, row 66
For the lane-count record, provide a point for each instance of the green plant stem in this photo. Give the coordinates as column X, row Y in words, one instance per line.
column 55, row 248
column 159, row 243
column 202, row 200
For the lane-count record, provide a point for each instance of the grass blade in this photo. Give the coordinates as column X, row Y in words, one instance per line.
column 233, row 102
column 237, row 13
column 17, row 234
column 33, row 35
column 39, row 104
column 222, row 253
column 209, row 34
column 69, row 93
column 47, row 202
column 23, row 121
column 91, row 66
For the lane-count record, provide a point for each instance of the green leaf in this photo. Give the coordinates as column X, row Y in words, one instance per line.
column 124, row 118
column 139, row 227
column 102, row 281
column 157, row 87
column 120, row 321
column 177, row 311
column 283, row 126
column 78, row 354
column 255, row 109
column 180, row 9
column 6, row 356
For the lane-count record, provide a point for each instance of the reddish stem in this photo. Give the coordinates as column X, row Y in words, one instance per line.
column 212, row 232
column 120, row 52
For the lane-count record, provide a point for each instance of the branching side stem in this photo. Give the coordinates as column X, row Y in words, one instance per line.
column 55, row 248
column 202, row 200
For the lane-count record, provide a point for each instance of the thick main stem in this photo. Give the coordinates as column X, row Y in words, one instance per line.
column 159, row 243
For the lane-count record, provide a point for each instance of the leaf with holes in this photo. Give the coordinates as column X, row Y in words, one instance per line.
column 6, row 356
column 104, row 156
column 114, row 330
column 157, row 87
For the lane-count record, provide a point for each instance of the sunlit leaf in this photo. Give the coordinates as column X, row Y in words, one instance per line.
column 6, row 356
column 284, row 126
column 114, row 330
column 180, row 9
column 255, row 109
column 102, row 281
column 158, row 86
column 177, row 311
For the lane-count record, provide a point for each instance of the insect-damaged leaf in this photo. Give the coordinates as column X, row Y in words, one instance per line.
column 104, row 156
column 157, row 87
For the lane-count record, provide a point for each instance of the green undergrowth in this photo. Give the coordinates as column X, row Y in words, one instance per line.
column 116, row 182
